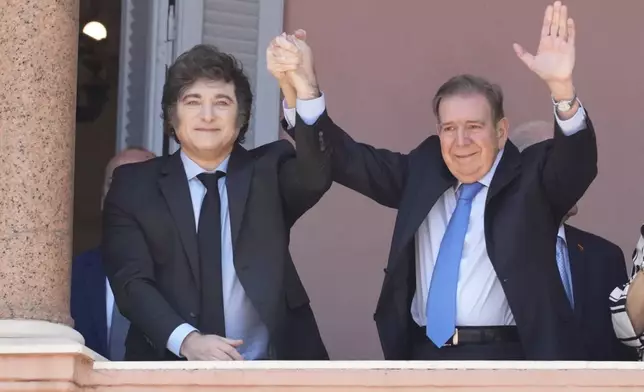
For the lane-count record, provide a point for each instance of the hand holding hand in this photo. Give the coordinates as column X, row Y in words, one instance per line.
column 290, row 59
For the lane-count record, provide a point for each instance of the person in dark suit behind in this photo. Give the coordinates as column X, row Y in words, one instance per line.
column 597, row 266
column 471, row 271
column 196, row 243
column 92, row 302
column 589, row 267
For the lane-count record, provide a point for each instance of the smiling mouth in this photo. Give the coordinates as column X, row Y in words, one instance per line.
column 465, row 156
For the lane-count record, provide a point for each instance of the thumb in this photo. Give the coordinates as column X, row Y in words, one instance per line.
column 526, row 57
column 233, row 342
column 300, row 34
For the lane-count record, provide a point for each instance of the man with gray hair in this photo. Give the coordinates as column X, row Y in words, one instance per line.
column 590, row 267
column 531, row 132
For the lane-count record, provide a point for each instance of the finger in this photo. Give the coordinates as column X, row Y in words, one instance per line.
column 286, row 60
column 526, row 57
column 300, row 34
column 547, row 20
column 236, row 356
column 283, row 56
column 563, row 23
column 233, row 342
column 220, row 355
column 232, row 353
column 283, row 69
column 571, row 31
column 554, row 22
column 283, row 43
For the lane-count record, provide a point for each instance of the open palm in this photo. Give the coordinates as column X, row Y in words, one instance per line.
column 555, row 58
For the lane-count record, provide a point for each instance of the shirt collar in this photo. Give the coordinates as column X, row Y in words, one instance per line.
column 562, row 232
column 193, row 169
column 487, row 178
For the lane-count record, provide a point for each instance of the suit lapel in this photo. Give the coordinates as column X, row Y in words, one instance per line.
column 578, row 267
column 431, row 184
column 509, row 167
column 174, row 186
column 238, row 179
column 427, row 183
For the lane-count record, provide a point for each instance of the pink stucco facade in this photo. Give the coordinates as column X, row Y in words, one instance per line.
column 379, row 64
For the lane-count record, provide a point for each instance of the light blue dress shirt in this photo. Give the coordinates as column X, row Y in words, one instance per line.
column 241, row 317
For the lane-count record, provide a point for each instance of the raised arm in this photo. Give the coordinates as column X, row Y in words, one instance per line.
column 376, row 173
column 571, row 165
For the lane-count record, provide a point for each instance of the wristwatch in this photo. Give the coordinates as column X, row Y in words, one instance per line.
column 564, row 105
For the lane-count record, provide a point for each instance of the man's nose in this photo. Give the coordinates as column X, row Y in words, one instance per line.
column 462, row 137
column 207, row 112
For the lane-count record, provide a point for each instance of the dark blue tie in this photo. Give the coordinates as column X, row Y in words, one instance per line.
column 212, row 319
column 441, row 299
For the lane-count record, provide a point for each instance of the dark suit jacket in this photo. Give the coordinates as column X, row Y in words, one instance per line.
column 528, row 197
column 597, row 267
column 151, row 254
column 88, row 300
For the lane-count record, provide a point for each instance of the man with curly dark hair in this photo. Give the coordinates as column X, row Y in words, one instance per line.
column 196, row 243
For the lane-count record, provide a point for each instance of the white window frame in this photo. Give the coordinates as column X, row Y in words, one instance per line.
column 160, row 54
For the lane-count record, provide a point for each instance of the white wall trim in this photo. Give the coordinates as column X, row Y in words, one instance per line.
column 158, row 53
column 267, row 93
column 124, row 60
column 189, row 24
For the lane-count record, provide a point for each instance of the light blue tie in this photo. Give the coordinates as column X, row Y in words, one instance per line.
column 563, row 263
column 441, row 299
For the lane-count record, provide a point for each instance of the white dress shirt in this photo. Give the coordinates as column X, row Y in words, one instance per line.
column 109, row 306
column 481, row 300
column 562, row 233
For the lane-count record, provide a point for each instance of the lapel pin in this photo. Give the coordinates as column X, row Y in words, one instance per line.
column 581, row 248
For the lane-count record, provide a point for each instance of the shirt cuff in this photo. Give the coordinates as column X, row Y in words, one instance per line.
column 309, row 110
column 289, row 114
column 178, row 336
column 574, row 124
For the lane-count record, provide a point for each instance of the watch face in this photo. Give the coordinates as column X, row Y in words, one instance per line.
column 564, row 106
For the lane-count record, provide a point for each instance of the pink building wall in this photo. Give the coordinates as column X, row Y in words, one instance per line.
column 379, row 64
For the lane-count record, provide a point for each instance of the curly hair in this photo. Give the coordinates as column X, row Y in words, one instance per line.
column 205, row 62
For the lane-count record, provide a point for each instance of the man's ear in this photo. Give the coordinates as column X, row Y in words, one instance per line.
column 502, row 127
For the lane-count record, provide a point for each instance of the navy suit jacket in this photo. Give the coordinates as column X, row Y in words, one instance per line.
column 597, row 267
column 88, row 300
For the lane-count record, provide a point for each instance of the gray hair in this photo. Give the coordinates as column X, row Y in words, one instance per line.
column 532, row 132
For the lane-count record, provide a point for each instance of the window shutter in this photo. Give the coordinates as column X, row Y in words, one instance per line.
column 244, row 28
